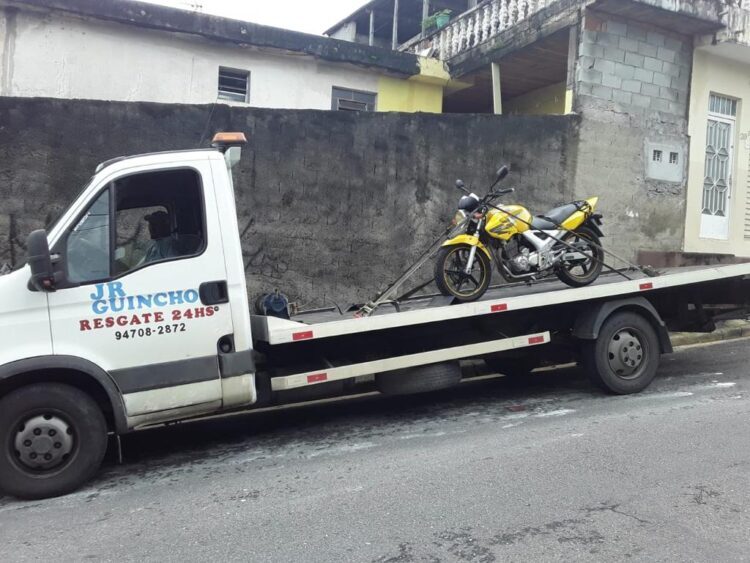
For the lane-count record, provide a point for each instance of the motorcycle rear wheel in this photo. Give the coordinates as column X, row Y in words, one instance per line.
column 450, row 273
column 583, row 273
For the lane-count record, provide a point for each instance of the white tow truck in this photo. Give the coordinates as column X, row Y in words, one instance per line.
column 133, row 310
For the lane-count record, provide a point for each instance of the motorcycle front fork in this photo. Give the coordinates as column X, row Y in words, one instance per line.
column 473, row 251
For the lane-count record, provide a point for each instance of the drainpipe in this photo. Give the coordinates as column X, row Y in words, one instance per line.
column 425, row 13
column 394, row 43
column 372, row 28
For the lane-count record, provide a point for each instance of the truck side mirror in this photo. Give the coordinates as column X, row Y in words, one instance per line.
column 40, row 261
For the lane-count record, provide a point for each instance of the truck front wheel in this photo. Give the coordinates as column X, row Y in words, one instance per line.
column 53, row 438
column 625, row 356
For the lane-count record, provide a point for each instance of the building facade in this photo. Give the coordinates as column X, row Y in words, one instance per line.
column 718, row 202
column 123, row 51
column 661, row 87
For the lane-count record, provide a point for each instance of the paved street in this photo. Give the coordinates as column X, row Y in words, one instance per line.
column 488, row 472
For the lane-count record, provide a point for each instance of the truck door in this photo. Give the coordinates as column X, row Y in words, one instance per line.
column 135, row 264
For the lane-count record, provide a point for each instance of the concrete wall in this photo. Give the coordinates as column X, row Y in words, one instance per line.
column 332, row 205
column 726, row 77
column 57, row 56
column 632, row 90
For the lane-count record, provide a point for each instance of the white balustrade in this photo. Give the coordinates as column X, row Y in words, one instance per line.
column 476, row 26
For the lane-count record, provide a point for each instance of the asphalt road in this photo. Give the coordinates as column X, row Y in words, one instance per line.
column 488, row 472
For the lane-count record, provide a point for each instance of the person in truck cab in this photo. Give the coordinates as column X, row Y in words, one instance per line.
column 163, row 244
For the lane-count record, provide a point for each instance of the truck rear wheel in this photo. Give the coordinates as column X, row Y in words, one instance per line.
column 53, row 438
column 419, row 379
column 625, row 356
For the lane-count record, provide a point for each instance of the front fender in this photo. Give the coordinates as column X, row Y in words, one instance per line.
column 468, row 240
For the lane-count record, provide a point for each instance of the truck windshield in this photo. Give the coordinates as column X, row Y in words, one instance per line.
column 20, row 261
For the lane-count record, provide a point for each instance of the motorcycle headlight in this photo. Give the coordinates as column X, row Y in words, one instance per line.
column 459, row 218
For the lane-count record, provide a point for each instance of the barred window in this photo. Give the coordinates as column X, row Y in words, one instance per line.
column 234, row 85
column 353, row 100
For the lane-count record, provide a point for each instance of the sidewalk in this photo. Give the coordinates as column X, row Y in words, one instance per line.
column 726, row 330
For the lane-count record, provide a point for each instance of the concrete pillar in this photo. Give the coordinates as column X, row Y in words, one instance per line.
column 372, row 28
column 497, row 99
column 395, row 25
column 572, row 64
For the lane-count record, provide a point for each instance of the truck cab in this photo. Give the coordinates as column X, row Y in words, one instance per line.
column 139, row 290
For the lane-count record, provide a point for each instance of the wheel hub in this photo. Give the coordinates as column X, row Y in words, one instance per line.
column 625, row 353
column 43, row 442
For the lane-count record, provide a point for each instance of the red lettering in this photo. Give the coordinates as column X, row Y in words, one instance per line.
column 98, row 323
column 158, row 317
column 122, row 320
column 147, row 317
column 176, row 315
column 200, row 313
column 110, row 322
column 210, row 312
column 135, row 320
column 85, row 325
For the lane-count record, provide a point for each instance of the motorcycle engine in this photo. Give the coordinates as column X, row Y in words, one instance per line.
column 519, row 257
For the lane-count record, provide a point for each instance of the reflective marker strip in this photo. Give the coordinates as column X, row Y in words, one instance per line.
column 536, row 340
column 645, row 286
column 317, row 377
column 302, row 335
column 499, row 308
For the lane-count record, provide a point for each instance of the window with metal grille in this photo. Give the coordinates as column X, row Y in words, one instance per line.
column 722, row 105
column 234, row 85
column 344, row 99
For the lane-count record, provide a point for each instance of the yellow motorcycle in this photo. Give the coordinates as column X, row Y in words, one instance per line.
column 564, row 242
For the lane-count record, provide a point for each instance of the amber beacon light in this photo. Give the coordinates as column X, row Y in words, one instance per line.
column 223, row 140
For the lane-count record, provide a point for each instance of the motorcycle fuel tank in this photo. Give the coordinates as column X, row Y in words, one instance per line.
column 502, row 223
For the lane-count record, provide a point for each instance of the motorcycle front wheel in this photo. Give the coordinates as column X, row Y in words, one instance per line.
column 451, row 276
column 583, row 270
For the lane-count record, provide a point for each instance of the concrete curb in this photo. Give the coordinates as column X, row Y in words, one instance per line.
column 726, row 331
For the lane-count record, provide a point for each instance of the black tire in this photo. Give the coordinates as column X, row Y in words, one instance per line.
column 625, row 356
column 446, row 285
column 512, row 368
column 421, row 379
column 71, row 430
column 595, row 264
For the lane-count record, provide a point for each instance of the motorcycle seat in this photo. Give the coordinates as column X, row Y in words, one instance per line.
column 558, row 215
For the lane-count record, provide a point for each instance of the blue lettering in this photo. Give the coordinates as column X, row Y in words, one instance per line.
column 191, row 296
column 145, row 301
column 175, row 298
column 99, row 293
column 116, row 305
column 99, row 307
column 115, row 290
column 160, row 299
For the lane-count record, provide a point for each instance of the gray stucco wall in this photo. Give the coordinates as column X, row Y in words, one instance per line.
column 332, row 205
column 632, row 89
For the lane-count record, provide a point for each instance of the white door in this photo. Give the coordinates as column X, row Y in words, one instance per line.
column 135, row 260
column 717, row 183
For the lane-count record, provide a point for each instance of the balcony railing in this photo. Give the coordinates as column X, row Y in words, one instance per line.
column 737, row 21
column 474, row 27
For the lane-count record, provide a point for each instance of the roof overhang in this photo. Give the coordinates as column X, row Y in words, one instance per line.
column 226, row 30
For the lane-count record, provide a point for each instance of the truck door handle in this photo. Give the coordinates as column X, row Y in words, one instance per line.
column 214, row 293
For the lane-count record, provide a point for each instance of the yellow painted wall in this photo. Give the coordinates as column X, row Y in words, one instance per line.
column 409, row 96
column 719, row 75
column 422, row 92
column 544, row 101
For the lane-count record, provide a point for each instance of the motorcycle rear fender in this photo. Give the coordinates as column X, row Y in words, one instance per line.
column 470, row 241
column 593, row 223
